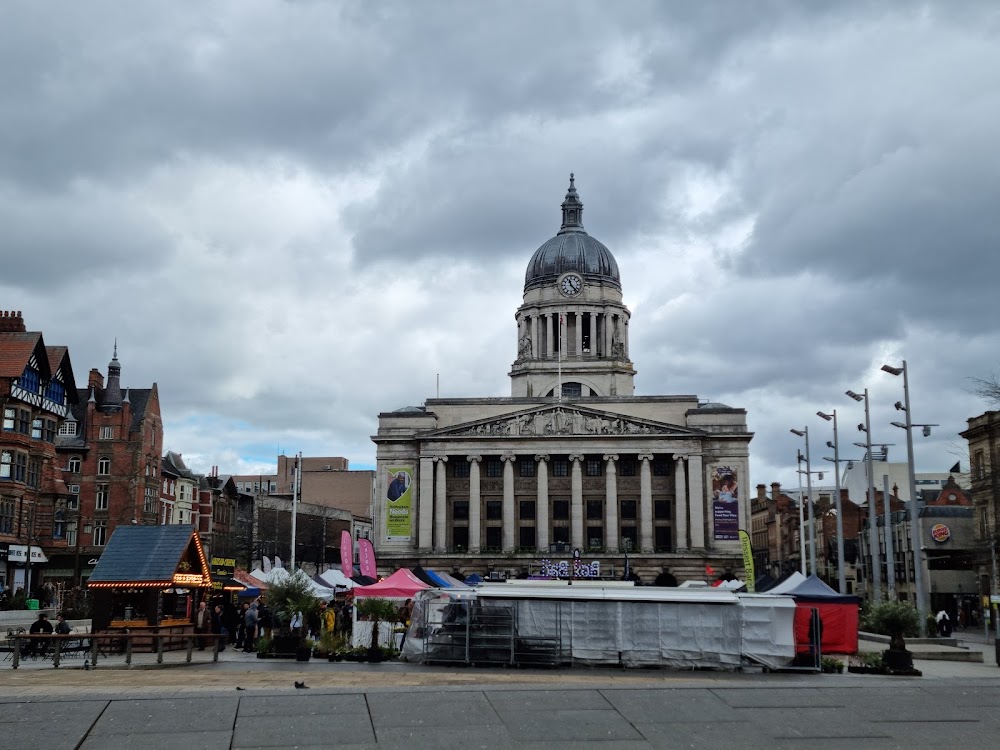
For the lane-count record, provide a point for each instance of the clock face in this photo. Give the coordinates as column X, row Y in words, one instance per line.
column 571, row 285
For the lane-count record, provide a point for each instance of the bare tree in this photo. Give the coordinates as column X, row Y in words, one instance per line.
column 987, row 389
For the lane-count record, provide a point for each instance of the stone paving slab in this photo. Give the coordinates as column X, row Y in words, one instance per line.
column 166, row 715
column 215, row 740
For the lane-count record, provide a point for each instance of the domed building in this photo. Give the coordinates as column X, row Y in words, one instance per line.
column 573, row 469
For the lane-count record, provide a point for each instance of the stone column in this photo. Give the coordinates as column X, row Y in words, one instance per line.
column 608, row 329
column 549, row 348
column 593, row 334
column 509, row 543
column 440, row 506
column 536, row 344
column 625, row 334
column 425, row 504
column 578, row 317
column 475, row 504
column 542, row 506
column 645, row 503
column 696, row 501
column 680, row 505
column 611, row 534
column 576, row 502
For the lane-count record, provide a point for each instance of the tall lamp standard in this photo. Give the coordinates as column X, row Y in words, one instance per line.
column 841, row 573
column 916, row 533
column 804, row 433
column 872, row 512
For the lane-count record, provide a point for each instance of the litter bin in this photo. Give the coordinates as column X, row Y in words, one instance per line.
column 32, row 604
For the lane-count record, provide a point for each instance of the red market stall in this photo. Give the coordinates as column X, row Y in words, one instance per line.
column 838, row 615
column 402, row 584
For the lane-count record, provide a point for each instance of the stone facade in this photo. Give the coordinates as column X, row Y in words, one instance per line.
column 572, row 460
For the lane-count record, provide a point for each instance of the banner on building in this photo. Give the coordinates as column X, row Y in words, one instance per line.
column 366, row 558
column 346, row 554
column 749, row 575
column 725, row 503
column 398, row 503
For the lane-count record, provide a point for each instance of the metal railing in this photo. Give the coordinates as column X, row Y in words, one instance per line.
column 94, row 646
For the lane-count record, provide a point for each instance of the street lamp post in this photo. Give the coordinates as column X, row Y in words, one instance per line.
column 804, row 433
column 916, row 533
column 873, row 545
column 802, row 520
column 841, row 573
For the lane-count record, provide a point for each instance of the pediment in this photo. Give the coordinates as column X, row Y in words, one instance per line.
column 563, row 420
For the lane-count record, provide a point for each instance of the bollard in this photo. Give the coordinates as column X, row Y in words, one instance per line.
column 159, row 649
column 17, row 652
column 93, row 652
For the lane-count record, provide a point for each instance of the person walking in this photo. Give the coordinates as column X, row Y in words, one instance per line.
column 218, row 628
column 250, row 627
column 202, row 624
column 241, row 625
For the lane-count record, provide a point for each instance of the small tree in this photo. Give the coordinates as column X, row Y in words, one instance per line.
column 290, row 594
column 898, row 620
column 377, row 610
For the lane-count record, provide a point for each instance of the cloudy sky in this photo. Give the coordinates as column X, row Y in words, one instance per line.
column 294, row 215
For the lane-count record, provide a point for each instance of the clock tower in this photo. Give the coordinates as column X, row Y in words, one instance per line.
column 572, row 328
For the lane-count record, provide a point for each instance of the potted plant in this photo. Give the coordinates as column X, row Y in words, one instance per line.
column 899, row 621
column 333, row 645
column 286, row 597
column 376, row 609
column 303, row 652
column 263, row 647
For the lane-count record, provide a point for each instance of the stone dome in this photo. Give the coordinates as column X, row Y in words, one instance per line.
column 572, row 249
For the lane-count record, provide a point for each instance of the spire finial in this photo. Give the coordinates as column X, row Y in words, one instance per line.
column 114, row 355
column 572, row 209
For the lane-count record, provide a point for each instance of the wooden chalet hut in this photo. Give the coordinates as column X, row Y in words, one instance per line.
column 149, row 578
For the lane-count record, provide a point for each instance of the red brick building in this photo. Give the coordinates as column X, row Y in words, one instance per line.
column 37, row 390
column 110, row 446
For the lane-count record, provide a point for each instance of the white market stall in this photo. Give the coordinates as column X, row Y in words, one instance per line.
column 551, row 622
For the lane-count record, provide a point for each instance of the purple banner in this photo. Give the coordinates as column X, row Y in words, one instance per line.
column 725, row 503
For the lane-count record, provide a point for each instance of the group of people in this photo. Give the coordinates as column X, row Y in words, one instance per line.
column 242, row 627
column 42, row 626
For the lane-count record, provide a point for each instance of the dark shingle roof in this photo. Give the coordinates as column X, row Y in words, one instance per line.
column 143, row 553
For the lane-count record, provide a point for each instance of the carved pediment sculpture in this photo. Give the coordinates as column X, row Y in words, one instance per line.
column 562, row 421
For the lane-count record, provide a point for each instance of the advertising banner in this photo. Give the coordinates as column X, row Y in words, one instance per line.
column 725, row 503
column 399, row 500
column 366, row 558
column 346, row 554
column 750, row 575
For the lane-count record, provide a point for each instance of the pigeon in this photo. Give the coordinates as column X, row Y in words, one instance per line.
column 240, row 688
column 301, row 686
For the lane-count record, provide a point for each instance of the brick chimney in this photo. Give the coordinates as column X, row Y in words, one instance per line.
column 96, row 379
column 12, row 322
column 775, row 490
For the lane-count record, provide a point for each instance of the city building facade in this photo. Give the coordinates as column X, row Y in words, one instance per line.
column 37, row 392
column 983, row 439
column 573, row 464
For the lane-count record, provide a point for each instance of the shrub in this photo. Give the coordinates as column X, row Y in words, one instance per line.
column 376, row 609
column 898, row 620
column 288, row 595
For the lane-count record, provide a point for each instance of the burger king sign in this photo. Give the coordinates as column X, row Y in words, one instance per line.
column 940, row 533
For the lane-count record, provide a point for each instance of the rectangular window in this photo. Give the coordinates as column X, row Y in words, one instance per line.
column 595, row 537
column 560, row 510
column 628, row 509
column 23, row 421
column 661, row 509
column 595, row 510
column 494, row 510
column 104, row 465
column 460, row 538
column 560, row 467
column 526, row 537
column 149, row 506
column 36, row 428
column 59, row 525
column 593, row 467
column 560, row 534
column 460, row 510
column 661, row 539
column 273, row 487
column 979, row 465
column 73, row 501
column 74, row 464
column 494, row 467
column 20, row 467
column 6, row 516
column 626, row 467
column 661, row 467
column 6, row 464
column 9, row 418
column 460, row 469
column 107, row 433
column 50, row 431
column 494, row 537
column 526, row 467
column 34, row 472
column 100, row 533
column 630, row 539
column 71, row 534
column 101, row 498
column 527, row 510
column 68, row 428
